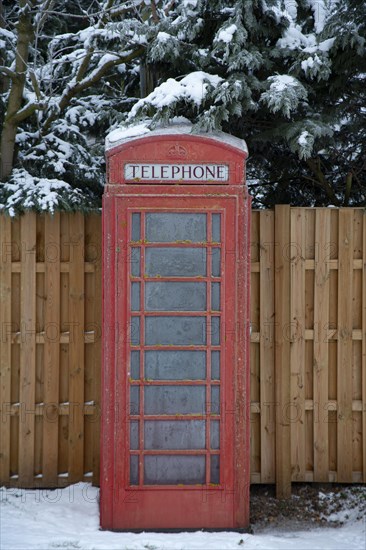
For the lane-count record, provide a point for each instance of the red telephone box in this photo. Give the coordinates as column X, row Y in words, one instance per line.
column 175, row 424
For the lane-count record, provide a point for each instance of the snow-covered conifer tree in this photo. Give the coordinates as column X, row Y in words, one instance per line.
column 286, row 75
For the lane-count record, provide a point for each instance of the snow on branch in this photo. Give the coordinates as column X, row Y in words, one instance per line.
column 24, row 192
column 284, row 94
column 193, row 88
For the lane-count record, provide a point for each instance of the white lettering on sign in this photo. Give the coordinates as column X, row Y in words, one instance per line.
column 176, row 172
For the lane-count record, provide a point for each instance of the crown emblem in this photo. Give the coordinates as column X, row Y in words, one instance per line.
column 177, row 152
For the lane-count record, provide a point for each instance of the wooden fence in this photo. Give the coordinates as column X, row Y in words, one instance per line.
column 308, row 348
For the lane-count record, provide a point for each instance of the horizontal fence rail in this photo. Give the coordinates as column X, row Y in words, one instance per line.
column 308, row 347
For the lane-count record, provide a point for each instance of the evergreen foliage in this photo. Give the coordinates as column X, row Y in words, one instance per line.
column 288, row 76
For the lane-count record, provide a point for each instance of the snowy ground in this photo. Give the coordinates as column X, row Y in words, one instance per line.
column 69, row 519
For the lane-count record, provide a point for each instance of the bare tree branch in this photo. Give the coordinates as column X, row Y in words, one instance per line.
column 11, row 74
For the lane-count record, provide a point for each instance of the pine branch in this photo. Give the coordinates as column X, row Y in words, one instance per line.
column 314, row 165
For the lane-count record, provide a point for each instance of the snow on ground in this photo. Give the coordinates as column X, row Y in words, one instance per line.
column 69, row 519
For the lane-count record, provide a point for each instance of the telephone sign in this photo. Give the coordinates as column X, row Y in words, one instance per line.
column 175, row 425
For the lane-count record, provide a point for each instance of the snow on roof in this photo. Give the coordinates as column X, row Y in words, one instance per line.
column 122, row 135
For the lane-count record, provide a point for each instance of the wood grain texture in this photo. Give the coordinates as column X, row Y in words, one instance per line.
column 364, row 347
column 282, row 351
column 51, row 349
column 267, row 324
column 321, row 355
column 76, row 348
column 5, row 346
column 97, row 346
column 27, row 350
column 344, row 370
column 297, row 353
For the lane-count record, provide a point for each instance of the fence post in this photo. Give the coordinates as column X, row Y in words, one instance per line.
column 282, row 350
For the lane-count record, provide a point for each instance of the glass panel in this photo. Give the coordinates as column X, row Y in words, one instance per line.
column 215, row 331
column 134, row 399
column 215, row 296
column 175, row 400
column 178, row 331
column 136, row 227
column 134, row 470
column 175, row 434
column 215, row 365
column 135, row 296
column 135, row 331
column 172, row 227
column 135, row 365
column 215, row 469
column 134, row 435
column 216, row 261
column 175, row 365
column 135, row 262
column 215, row 434
column 174, row 470
column 215, row 400
column 171, row 296
column 216, row 228
column 175, row 262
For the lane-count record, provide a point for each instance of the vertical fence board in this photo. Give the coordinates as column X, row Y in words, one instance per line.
column 364, row 348
column 51, row 350
column 5, row 345
column 266, row 344
column 282, row 351
column 297, row 253
column 97, row 237
column 76, row 348
column 27, row 350
column 344, row 374
column 321, row 326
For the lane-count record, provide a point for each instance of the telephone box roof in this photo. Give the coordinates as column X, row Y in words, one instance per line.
column 121, row 136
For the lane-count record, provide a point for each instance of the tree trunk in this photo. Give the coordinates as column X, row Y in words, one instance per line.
column 9, row 130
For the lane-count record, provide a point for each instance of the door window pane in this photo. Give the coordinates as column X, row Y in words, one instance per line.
column 171, row 296
column 135, row 365
column 175, row 400
column 216, row 228
column 175, row 262
column 178, row 331
column 134, row 435
column 216, row 262
column 175, row 434
column 215, row 331
column 134, row 470
column 134, row 399
column 136, row 226
column 135, row 262
column 215, row 434
column 215, row 469
column 135, row 331
column 174, row 470
column 175, row 365
column 215, row 399
column 135, row 296
column 215, row 296
column 215, row 365
column 172, row 227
